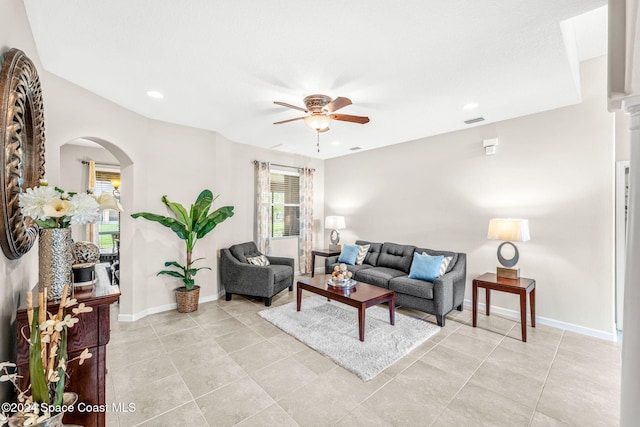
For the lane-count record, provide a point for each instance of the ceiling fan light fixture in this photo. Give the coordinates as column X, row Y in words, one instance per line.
column 318, row 122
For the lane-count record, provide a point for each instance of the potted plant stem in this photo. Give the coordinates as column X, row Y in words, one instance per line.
column 189, row 226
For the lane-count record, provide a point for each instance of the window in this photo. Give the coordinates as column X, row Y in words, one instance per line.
column 285, row 203
column 109, row 221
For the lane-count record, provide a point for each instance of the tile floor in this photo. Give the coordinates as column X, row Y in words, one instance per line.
column 224, row 365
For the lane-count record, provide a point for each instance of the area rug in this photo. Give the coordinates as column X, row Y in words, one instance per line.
column 331, row 328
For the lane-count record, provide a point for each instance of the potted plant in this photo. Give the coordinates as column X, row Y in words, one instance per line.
column 189, row 226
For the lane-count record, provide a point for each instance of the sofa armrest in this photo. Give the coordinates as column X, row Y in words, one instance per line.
column 448, row 289
column 281, row 261
column 329, row 261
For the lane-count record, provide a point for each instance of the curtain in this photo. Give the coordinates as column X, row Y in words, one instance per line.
column 263, row 207
column 92, row 235
column 305, row 238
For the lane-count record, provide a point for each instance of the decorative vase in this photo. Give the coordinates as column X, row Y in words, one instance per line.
column 68, row 399
column 187, row 300
column 55, row 253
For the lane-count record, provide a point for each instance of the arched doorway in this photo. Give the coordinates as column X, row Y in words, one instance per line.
column 74, row 156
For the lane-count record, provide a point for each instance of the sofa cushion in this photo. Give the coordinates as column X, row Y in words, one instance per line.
column 281, row 272
column 397, row 257
column 425, row 267
column 372, row 254
column 433, row 252
column 242, row 251
column 446, row 260
column 351, row 268
column 413, row 287
column 349, row 254
column 378, row 276
column 362, row 253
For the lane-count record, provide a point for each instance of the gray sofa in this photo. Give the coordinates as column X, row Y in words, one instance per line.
column 241, row 278
column 387, row 265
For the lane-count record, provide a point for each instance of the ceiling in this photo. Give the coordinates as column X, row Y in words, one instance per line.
column 410, row 66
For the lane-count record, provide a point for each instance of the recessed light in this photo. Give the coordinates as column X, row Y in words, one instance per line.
column 335, row 143
column 470, row 106
column 155, row 94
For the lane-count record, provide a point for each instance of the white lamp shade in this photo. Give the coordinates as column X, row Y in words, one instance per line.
column 334, row 222
column 507, row 229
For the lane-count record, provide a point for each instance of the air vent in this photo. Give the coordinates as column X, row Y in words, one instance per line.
column 355, row 148
column 476, row 120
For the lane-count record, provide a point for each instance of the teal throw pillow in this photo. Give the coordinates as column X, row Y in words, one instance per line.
column 349, row 254
column 425, row 267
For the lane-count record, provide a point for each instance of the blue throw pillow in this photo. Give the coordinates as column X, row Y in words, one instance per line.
column 425, row 267
column 349, row 254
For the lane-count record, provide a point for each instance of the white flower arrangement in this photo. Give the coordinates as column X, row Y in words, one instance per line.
column 55, row 208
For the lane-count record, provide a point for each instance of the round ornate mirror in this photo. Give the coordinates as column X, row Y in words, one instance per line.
column 22, row 154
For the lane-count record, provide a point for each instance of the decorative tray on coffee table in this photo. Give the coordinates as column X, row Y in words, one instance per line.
column 342, row 284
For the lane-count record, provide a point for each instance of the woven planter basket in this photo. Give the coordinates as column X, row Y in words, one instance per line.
column 187, row 300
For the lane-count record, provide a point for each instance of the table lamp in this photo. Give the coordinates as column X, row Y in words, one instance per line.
column 507, row 229
column 335, row 223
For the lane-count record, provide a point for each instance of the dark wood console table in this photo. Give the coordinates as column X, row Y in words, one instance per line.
column 92, row 332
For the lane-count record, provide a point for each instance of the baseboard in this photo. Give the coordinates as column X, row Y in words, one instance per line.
column 160, row 309
column 596, row 333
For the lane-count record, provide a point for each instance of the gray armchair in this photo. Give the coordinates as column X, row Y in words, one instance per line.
column 242, row 278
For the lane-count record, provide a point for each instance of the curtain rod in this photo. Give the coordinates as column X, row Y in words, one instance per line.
column 85, row 162
column 255, row 162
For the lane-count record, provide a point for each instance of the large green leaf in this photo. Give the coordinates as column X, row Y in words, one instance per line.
column 171, row 273
column 174, row 264
column 177, row 227
column 211, row 221
column 179, row 211
column 201, row 207
column 193, row 271
column 39, row 389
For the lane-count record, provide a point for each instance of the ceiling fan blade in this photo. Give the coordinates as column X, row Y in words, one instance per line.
column 287, row 121
column 338, row 103
column 284, row 104
column 347, row 118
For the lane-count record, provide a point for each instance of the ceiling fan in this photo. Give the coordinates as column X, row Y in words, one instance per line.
column 321, row 109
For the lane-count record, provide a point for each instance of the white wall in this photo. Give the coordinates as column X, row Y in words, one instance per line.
column 156, row 158
column 16, row 276
column 555, row 168
column 161, row 158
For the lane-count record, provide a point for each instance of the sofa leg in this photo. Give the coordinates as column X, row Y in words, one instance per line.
column 459, row 308
column 227, row 296
column 291, row 288
column 440, row 320
column 267, row 302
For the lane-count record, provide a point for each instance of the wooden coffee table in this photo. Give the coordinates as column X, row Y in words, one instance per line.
column 360, row 297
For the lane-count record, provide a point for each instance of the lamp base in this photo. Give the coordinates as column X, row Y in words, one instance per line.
column 508, row 273
column 335, row 247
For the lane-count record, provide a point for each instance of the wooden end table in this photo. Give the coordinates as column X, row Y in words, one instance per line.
column 360, row 297
column 521, row 286
column 321, row 252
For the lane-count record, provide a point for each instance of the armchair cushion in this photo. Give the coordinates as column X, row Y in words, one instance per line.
column 258, row 260
column 243, row 251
